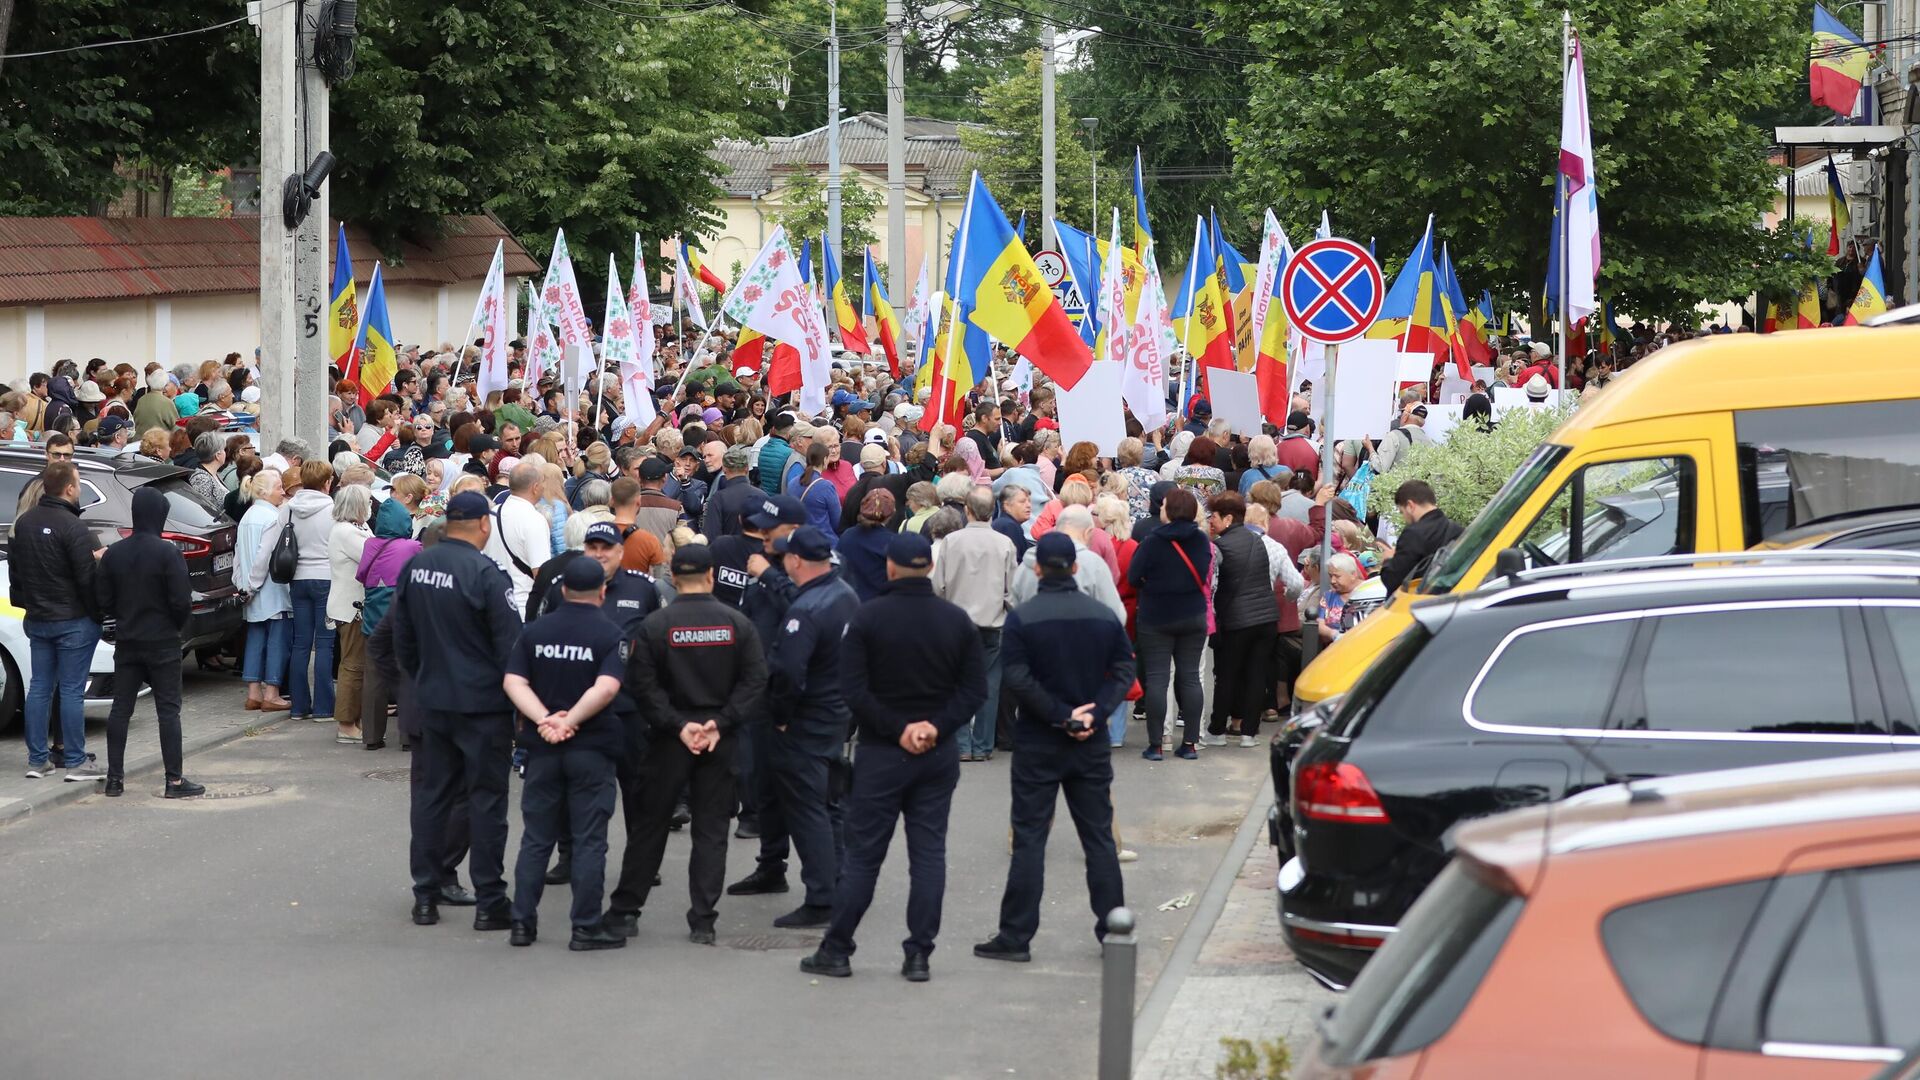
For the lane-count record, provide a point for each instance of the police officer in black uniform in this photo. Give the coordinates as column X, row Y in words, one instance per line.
column 909, row 693
column 745, row 578
column 698, row 673
column 630, row 594
column 810, row 718
column 455, row 627
column 563, row 677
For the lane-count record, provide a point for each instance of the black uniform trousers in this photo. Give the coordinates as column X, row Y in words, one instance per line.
column 804, row 785
column 1084, row 773
column 668, row 767
column 888, row 784
column 569, row 793
column 459, row 832
column 156, row 664
column 757, row 748
column 471, row 754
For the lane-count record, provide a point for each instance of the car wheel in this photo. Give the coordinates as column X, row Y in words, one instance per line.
column 12, row 692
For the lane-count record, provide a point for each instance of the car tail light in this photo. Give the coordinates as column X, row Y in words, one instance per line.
column 1346, row 939
column 1324, row 791
column 191, row 546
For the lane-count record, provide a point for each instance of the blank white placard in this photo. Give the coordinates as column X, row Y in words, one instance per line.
column 1092, row 412
column 1236, row 399
column 1365, row 384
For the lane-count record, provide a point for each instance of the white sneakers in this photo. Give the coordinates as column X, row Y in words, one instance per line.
column 1214, row 740
column 1248, row 742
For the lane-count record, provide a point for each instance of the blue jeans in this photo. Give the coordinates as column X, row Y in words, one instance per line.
column 976, row 739
column 266, row 657
column 1117, row 723
column 312, row 642
column 61, row 653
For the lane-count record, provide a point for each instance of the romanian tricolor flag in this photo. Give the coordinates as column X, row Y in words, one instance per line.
column 749, row 350
column 1871, row 300
column 1838, row 217
column 1200, row 307
column 879, row 307
column 961, row 353
column 378, row 359
column 343, row 313
column 1419, row 310
column 1837, row 63
column 1000, row 292
column 1467, row 336
column 700, row 271
column 853, row 332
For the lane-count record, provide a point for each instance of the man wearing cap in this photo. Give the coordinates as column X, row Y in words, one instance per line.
column 1295, row 450
column 481, row 450
column 697, row 671
column 810, row 717
column 909, row 761
column 1412, row 432
column 1199, row 415
column 564, row 674
column 454, row 627
column 745, row 579
column 113, row 433
column 1068, row 663
column 736, row 494
column 658, row 512
column 692, row 493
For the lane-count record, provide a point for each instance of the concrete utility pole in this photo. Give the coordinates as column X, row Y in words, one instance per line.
column 293, row 262
column 1048, row 240
column 897, row 154
column 833, row 134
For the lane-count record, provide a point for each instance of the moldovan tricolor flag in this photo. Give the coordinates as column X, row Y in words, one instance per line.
column 853, row 332
column 1871, row 300
column 1838, row 218
column 1142, row 233
column 1199, row 309
column 1001, row 293
column 490, row 318
column 772, row 299
column 1269, row 318
column 1582, row 202
column 1837, row 63
column 879, row 308
column 378, row 359
column 343, row 313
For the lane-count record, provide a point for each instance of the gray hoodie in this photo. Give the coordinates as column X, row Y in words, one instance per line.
column 312, row 517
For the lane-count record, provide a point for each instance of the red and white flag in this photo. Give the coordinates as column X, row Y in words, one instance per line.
column 1582, row 207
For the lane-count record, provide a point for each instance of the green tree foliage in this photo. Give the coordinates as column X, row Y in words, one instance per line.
column 1007, row 146
column 1386, row 110
column 547, row 113
column 72, row 123
column 803, row 213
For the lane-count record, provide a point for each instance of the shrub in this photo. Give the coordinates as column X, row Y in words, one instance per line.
column 1469, row 467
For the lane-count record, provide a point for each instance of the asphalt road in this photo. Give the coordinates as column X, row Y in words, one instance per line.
column 266, row 934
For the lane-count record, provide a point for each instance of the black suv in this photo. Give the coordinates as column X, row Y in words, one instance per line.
column 203, row 533
column 1552, row 681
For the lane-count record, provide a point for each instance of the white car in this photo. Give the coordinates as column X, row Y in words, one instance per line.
column 16, row 664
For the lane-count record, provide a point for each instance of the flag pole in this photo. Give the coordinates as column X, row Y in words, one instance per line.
column 942, row 388
column 1560, row 182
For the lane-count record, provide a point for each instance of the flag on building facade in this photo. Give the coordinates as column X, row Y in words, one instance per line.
column 846, row 319
column 878, row 306
column 343, row 310
column 1871, row 300
column 1000, row 291
column 379, row 360
column 1837, row 63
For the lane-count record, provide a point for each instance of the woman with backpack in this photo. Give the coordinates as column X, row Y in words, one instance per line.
column 269, row 610
column 381, row 561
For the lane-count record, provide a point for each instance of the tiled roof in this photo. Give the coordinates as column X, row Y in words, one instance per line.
column 70, row 259
column 936, row 164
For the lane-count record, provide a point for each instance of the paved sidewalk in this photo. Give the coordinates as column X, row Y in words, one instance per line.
column 1244, row 984
column 213, row 712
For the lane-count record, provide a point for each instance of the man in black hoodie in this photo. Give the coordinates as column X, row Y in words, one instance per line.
column 143, row 589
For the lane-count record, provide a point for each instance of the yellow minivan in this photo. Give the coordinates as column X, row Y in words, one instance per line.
column 1711, row 445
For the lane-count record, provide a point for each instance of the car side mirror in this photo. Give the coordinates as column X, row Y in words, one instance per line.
column 1509, row 563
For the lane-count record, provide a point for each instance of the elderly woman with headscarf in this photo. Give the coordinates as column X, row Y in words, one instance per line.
column 969, row 452
column 863, row 548
column 1176, row 454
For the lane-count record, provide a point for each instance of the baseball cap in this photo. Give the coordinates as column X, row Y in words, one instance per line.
column 1202, row 407
column 654, row 468
column 743, row 372
column 692, row 559
column 1420, row 411
column 582, row 575
column 469, row 506
column 482, row 443
column 778, row 510
column 603, row 532
column 111, row 425
column 1298, row 419
column 689, row 450
column 736, row 457
column 912, row 551
column 1055, row 551
column 809, row 543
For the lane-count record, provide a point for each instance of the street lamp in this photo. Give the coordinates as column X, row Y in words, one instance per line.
column 1092, row 123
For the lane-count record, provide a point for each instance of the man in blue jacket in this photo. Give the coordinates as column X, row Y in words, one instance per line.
column 455, row 630
column 1069, row 665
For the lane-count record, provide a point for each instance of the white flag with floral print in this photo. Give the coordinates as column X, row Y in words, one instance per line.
column 684, row 287
column 543, row 347
column 490, row 317
column 640, row 309
column 771, row 298
column 616, row 347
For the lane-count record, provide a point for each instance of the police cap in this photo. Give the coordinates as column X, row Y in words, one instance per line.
column 778, row 510
column 603, row 532
column 910, row 550
column 692, row 559
column 809, row 543
column 582, row 575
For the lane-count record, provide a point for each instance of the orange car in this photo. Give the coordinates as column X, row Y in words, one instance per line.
column 1756, row 923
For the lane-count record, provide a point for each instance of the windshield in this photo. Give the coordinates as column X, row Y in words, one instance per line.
column 1452, row 564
